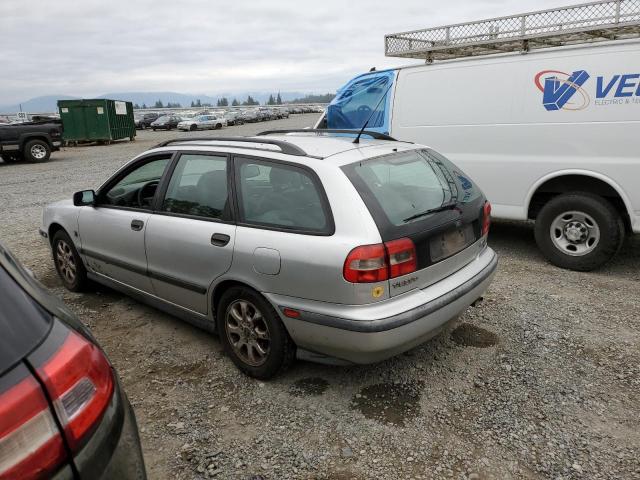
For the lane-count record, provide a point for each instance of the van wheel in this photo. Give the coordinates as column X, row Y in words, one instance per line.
column 68, row 263
column 579, row 231
column 37, row 151
column 253, row 334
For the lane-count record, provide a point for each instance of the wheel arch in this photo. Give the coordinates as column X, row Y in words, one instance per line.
column 222, row 286
column 27, row 137
column 564, row 181
column 54, row 228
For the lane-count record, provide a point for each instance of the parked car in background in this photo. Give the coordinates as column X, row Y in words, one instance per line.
column 30, row 141
column 63, row 412
column 250, row 115
column 293, row 242
column 166, row 122
column 283, row 112
column 203, row 122
column 234, row 117
column 144, row 120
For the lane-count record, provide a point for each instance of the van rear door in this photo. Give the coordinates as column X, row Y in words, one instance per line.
column 421, row 196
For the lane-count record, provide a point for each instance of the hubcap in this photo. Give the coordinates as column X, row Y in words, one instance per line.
column 248, row 332
column 575, row 233
column 38, row 151
column 66, row 261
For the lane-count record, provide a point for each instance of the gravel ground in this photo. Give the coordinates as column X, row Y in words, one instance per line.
column 541, row 380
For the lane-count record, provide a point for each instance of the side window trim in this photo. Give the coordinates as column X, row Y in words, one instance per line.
column 164, row 186
column 324, row 200
column 121, row 173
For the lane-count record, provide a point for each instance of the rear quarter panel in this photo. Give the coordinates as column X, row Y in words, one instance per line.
column 311, row 265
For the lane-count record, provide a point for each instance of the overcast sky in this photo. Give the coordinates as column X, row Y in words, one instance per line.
column 90, row 47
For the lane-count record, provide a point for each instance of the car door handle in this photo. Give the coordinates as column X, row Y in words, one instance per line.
column 137, row 225
column 220, row 239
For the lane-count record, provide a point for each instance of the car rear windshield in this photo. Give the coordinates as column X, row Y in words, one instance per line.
column 406, row 185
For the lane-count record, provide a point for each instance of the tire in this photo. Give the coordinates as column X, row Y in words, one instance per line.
column 154, row 129
column 193, row 128
column 584, row 215
column 37, row 151
column 280, row 349
column 218, row 126
column 66, row 259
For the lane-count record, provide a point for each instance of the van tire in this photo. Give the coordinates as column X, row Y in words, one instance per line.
column 282, row 350
column 62, row 243
column 36, row 151
column 579, row 206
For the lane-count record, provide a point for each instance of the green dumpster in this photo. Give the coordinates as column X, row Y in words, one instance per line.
column 99, row 120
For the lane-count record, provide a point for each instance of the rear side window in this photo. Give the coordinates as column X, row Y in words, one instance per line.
column 198, row 187
column 407, row 184
column 281, row 196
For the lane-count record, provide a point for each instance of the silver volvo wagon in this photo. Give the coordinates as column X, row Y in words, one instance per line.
column 287, row 243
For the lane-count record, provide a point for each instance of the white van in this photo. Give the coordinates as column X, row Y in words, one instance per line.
column 548, row 135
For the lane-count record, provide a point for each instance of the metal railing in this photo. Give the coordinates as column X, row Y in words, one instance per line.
column 583, row 23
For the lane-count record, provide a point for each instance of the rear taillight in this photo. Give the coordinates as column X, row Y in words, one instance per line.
column 366, row 264
column 375, row 263
column 30, row 443
column 402, row 257
column 79, row 380
column 486, row 218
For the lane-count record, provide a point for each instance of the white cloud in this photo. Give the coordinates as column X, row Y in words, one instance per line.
column 90, row 47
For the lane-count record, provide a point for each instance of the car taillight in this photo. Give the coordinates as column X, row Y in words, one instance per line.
column 486, row 218
column 375, row 263
column 402, row 257
column 79, row 380
column 366, row 264
column 30, row 444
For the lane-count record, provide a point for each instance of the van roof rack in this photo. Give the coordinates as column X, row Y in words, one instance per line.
column 285, row 147
column 575, row 24
column 320, row 131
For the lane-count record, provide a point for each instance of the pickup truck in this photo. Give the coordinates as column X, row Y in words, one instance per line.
column 30, row 141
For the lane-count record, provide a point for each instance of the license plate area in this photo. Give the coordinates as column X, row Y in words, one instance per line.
column 450, row 242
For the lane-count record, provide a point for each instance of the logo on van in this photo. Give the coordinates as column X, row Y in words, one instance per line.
column 563, row 91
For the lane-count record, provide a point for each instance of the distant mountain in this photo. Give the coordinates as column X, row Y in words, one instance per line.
column 45, row 104
column 48, row 103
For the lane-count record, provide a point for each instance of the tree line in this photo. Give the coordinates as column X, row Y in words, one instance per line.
column 250, row 101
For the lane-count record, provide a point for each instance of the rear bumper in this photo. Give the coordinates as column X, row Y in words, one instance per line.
column 370, row 333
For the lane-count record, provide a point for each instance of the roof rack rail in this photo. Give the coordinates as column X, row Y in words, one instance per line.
column 319, row 131
column 286, row 147
column 575, row 24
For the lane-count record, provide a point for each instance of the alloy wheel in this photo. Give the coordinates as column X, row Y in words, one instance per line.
column 38, row 152
column 66, row 261
column 247, row 332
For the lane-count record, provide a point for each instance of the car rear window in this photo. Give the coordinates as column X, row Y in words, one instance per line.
column 407, row 184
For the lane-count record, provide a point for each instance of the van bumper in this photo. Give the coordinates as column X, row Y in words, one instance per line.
column 373, row 332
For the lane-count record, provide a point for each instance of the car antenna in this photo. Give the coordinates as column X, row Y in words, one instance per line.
column 357, row 139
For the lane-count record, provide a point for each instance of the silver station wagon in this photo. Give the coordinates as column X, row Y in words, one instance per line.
column 289, row 243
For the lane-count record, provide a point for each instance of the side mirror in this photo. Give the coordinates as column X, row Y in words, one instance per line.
column 84, row 198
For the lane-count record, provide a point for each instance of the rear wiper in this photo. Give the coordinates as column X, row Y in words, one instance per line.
column 441, row 208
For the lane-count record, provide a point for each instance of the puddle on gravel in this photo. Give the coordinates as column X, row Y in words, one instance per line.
column 308, row 386
column 389, row 402
column 469, row 335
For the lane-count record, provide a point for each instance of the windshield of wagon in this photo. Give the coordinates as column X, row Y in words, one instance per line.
column 406, row 184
